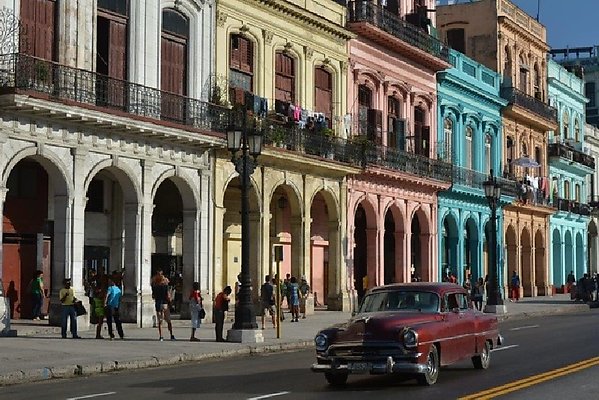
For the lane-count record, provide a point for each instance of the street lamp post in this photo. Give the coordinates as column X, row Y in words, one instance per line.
column 245, row 145
column 493, row 195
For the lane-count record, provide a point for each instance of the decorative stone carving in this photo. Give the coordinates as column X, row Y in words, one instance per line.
column 267, row 35
column 309, row 52
column 221, row 18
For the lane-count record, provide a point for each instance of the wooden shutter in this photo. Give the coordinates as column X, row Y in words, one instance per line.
column 324, row 92
column 234, row 59
column 173, row 77
column 117, row 63
column 38, row 19
column 400, row 133
column 425, row 139
column 284, row 77
column 246, row 55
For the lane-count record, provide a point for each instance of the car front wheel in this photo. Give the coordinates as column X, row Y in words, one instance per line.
column 429, row 377
column 336, row 379
column 483, row 360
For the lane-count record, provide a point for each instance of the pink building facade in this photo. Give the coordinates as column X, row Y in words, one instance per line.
column 392, row 205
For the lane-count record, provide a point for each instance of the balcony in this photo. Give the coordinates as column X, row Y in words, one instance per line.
column 571, row 155
column 518, row 98
column 572, row 206
column 194, row 120
column 374, row 22
column 509, row 187
column 469, row 178
column 403, row 161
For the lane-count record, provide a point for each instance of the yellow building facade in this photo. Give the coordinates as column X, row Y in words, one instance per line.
column 516, row 47
column 298, row 191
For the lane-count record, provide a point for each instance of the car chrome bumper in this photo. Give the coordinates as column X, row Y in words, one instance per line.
column 374, row 368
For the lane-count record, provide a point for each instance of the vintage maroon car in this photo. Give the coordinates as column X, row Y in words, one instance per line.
column 411, row 328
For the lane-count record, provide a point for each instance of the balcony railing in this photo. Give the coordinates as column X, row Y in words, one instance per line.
column 468, row 177
column 369, row 12
column 48, row 80
column 58, row 82
column 571, row 154
column 396, row 159
column 572, row 206
column 519, row 98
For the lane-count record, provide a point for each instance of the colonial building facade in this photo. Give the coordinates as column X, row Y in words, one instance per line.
column 591, row 138
column 392, row 108
column 569, row 166
column 286, row 66
column 105, row 147
column 470, row 136
column 504, row 38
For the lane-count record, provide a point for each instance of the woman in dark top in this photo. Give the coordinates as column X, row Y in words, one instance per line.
column 160, row 294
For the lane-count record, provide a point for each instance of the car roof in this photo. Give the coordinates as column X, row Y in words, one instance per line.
column 438, row 287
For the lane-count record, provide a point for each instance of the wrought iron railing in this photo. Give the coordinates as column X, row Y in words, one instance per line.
column 572, row 206
column 509, row 187
column 519, row 98
column 468, row 177
column 571, row 154
column 396, row 159
column 59, row 82
column 372, row 13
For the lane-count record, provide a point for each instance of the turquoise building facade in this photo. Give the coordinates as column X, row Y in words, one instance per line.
column 569, row 165
column 470, row 137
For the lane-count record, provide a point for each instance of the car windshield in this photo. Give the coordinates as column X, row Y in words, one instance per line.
column 400, row 300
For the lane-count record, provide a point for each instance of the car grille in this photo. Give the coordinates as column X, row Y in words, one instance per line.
column 366, row 351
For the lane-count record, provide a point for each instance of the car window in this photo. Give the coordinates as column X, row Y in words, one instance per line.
column 456, row 300
column 400, row 300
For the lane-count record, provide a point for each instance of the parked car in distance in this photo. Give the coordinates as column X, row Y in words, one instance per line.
column 408, row 328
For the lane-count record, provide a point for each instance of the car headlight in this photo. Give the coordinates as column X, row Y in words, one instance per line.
column 410, row 338
column 321, row 341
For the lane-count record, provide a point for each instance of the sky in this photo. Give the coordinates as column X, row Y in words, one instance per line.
column 569, row 23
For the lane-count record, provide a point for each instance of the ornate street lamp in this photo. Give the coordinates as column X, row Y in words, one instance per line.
column 245, row 145
column 493, row 195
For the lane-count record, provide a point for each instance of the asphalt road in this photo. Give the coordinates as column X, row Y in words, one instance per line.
column 543, row 358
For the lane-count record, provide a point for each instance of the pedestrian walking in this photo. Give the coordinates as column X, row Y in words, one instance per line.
column 38, row 293
column 67, row 299
column 196, row 308
column 294, row 298
column 267, row 300
column 570, row 281
column 99, row 310
column 515, row 287
column 286, row 284
column 304, row 289
column 162, row 303
column 477, row 294
column 221, row 305
column 112, row 304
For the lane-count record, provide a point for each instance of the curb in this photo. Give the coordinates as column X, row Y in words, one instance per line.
column 41, row 374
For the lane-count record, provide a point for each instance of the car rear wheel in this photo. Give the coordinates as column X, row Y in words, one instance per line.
column 336, row 379
column 483, row 360
column 429, row 377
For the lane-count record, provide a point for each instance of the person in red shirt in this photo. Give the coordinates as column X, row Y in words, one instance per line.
column 195, row 306
column 221, row 305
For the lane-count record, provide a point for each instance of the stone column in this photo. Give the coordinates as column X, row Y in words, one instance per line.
column 62, row 266
column 400, row 239
column 131, row 303
column 461, row 257
column 206, row 240
column 78, row 230
column 372, row 251
column 191, row 256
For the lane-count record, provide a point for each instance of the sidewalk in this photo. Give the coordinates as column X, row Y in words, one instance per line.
column 38, row 352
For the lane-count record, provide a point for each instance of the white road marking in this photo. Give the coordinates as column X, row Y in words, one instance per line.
column 266, row 396
column 511, row 346
column 89, row 396
column 524, row 327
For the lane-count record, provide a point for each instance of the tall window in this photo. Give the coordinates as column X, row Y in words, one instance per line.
column 510, row 156
column 364, row 104
column 284, row 77
column 468, row 147
column 567, row 190
column 422, row 133
column 241, row 67
column 537, row 83
column 111, row 47
column 577, row 130
column 566, row 126
column 488, row 142
column 577, row 193
column 324, row 92
column 395, row 124
column 456, row 39
column 38, row 18
column 173, row 64
column 507, row 67
column 447, row 146
column 539, row 158
column 523, row 76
